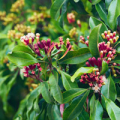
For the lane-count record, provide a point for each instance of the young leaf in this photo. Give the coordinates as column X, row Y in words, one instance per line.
column 66, row 79
column 55, row 89
column 113, row 13
column 76, row 57
column 112, row 109
column 104, row 68
column 72, row 93
column 109, row 89
column 96, row 110
column 73, row 111
column 81, row 71
column 93, row 41
column 22, row 58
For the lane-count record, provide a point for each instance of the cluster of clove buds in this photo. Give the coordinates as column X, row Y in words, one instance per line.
column 111, row 37
column 31, row 69
column 94, row 79
column 82, row 40
column 47, row 46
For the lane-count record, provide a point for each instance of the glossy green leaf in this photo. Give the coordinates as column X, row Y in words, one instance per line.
column 55, row 89
column 75, row 108
column 53, row 112
column 113, row 13
column 95, row 1
column 93, row 41
column 81, row 71
column 22, row 58
column 76, row 57
column 100, row 7
column 109, row 89
column 94, row 22
column 96, row 110
column 66, row 80
column 55, row 8
column 45, row 92
column 104, row 67
column 107, row 3
column 112, row 109
column 72, row 93
column 21, row 48
column 84, row 115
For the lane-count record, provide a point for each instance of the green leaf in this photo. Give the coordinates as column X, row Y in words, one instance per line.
column 58, row 27
column 72, row 93
column 95, row 1
column 109, row 89
column 94, row 22
column 112, row 109
column 22, row 58
column 32, row 97
column 104, row 67
column 84, row 115
column 21, row 108
column 78, row 7
column 76, row 0
column 118, row 50
column 87, row 5
column 107, row 3
column 113, row 13
column 21, row 48
column 45, row 92
column 101, row 11
column 73, row 111
column 117, row 59
column 66, row 80
column 93, row 41
column 2, row 36
column 7, row 28
column 76, row 57
column 81, row 71
column 53, row 112
column 55, row 89
column 55, row 8
column 96, row 110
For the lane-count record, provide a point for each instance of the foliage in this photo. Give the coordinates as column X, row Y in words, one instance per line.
column 62, row 62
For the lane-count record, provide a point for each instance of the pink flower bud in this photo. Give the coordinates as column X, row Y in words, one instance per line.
column 91, row 61
column 87, row 63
